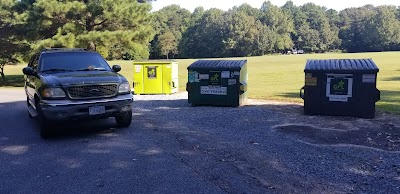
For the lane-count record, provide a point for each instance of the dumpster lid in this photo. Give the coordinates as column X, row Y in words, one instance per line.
column 159, row 61
column 341, row 65
column 217, row 64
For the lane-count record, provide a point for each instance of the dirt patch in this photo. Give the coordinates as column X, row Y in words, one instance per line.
column 386, row 137
column 382, row 132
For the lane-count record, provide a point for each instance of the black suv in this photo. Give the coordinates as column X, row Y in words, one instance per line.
column 69, row 84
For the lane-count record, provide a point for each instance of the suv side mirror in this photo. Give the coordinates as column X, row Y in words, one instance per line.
column 28, row 71
column 116, row 68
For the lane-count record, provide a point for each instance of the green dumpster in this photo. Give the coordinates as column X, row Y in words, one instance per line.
column 343, row 87
column 217, row 82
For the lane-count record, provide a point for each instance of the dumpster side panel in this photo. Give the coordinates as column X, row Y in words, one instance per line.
column 170, row 78
column 175, row 77
column 167, row 78
column 360, row 104
column 209, row 88
column 138, row 78
column 369, row 94
column 339, row 94
column 243, row 80
column 312, row 92
column 152, row 80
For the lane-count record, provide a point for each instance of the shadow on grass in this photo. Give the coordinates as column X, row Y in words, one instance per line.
column 392, row 79
column 390, row 101
column 390, row 96
column 13, row 81
column 290, row 95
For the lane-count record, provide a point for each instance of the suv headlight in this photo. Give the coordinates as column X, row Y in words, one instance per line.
column 124, row 88
column 53, row 93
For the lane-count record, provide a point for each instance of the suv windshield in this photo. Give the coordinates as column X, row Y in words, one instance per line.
column 72, row 61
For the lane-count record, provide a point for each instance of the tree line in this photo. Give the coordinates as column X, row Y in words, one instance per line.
column 127, row 29
column 248, row 31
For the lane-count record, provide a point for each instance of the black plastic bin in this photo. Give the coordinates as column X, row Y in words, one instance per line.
column 217, row 82
column 342, row 87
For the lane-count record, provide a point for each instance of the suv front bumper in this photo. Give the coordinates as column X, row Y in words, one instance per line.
column 79, row 109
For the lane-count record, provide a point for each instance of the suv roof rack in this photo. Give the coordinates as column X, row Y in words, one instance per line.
column 65, row 49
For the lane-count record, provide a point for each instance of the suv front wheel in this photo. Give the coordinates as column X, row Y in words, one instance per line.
column 45, row 124
column 124, row 120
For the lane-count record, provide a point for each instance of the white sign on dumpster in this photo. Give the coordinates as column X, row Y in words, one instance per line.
column 213, row 90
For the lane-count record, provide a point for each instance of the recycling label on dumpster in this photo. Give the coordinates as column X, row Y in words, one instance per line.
column 213, row 90
column 214, row 78
column 152, row 72
column 339, row 87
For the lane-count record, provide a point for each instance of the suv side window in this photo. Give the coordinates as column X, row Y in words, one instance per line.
column 34, row 62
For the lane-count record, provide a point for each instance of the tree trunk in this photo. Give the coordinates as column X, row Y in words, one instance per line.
column 91, row 46
column 3, row 79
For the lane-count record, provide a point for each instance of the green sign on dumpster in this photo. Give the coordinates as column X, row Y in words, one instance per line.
column 339, row 86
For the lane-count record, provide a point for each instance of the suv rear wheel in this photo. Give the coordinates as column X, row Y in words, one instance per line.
column 124, row 120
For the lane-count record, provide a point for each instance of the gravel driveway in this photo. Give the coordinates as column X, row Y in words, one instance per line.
column 269, row 147
column 171, row 147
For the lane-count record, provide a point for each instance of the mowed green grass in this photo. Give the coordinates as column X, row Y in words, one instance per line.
column 280, row 77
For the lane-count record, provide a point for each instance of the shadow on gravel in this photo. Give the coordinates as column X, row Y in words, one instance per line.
column 161, row 104
column 254, row 148
column 280, row 107
column 15, row 122
column 83, row 129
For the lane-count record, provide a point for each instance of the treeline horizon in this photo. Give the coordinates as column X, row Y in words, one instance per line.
column 127, row 29
column 247, row 31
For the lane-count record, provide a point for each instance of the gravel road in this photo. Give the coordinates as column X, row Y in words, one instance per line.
column 172, row 147
column 268, row 147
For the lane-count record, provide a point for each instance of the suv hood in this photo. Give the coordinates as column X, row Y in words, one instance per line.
column 82, row 77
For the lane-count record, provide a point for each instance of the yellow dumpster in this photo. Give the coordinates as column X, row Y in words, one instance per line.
column 155, row 77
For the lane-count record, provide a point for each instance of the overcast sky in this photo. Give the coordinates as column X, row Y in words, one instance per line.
column 226, row 4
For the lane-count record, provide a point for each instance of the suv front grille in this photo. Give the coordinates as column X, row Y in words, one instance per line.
column 92, row 91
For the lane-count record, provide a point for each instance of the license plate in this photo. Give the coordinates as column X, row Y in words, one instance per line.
column 96, row 110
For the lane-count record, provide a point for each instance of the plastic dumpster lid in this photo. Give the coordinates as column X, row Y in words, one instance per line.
column 158, row 61
column 217, row 64
column 341, row 65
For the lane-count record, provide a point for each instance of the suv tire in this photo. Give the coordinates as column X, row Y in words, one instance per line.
column 45, row 124
column 124, row 120
column 29, row 114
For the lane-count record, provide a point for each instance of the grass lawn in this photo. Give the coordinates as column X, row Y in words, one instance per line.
column 280, row 77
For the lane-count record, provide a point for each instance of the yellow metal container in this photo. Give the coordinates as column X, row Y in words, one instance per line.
column 155, row 77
